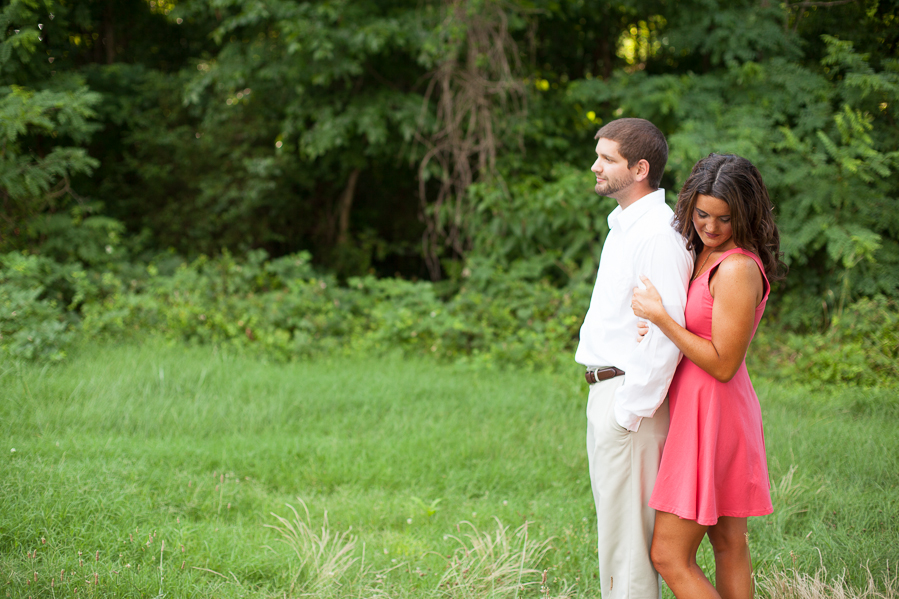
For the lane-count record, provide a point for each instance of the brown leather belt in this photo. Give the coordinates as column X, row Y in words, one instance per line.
column 594, row 375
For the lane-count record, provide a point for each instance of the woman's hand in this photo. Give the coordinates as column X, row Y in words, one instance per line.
column 642, row 329
column 647, row 303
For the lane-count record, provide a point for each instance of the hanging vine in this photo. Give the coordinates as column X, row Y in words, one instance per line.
column 475, row 98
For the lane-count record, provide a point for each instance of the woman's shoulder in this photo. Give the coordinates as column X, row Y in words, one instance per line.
column 739, row 264
column 739, row 270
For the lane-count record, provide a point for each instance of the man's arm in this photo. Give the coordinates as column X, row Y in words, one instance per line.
column 650, row 366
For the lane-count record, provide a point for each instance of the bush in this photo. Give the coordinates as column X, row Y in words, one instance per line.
column 31, row 325
column 861, row 346
column 286, row 310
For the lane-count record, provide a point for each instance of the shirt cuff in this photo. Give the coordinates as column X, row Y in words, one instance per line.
column 627, row 420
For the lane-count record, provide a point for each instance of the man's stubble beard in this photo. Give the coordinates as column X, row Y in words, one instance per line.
column 613, row 186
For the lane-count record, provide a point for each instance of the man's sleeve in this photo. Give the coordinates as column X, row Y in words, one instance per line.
column 650, row 367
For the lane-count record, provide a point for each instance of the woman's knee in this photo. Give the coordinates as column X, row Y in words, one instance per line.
column 674, row 544
column 729, row 539
column 662, row 557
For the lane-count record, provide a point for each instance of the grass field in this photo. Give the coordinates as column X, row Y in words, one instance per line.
column 151, row 470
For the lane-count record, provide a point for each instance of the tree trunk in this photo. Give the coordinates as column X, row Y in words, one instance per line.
column 344, row 207
column 108, row 34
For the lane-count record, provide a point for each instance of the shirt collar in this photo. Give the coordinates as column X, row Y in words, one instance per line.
column 626, row 218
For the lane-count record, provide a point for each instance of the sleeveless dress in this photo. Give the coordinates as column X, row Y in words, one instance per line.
column 714, row 461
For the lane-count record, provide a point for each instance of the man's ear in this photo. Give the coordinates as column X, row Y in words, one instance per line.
column 641, row 169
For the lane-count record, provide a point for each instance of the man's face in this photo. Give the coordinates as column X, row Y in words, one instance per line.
column 610, row 168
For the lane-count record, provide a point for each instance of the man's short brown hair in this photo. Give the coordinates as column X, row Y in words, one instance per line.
column 639, row 139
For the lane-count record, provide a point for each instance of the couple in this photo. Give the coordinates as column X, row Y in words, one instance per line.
column 700, row 276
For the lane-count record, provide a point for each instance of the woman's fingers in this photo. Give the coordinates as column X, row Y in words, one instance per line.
column 646, row 302
column 642, row 329
column 650, row 288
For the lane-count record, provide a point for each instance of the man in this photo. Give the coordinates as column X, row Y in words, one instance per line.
column 627, row 411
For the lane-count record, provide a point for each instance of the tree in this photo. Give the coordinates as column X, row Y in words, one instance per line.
column 44, row 118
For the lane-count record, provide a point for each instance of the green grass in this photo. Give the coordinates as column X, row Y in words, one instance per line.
column 124, row 447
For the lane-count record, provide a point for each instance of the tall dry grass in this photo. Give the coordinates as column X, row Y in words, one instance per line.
column 793, row 584
column 325, row 559
column 496, row 564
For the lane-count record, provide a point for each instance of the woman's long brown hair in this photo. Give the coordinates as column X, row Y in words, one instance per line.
column 734, row 180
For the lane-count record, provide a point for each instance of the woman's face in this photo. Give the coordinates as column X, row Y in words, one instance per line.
column 711, row 219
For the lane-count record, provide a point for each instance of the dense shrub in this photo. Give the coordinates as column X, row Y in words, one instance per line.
column 284, row 309
column 860, row 346
column 33, row 324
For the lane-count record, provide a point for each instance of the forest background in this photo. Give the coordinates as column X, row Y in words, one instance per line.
column 213, row 213
column 304, row 176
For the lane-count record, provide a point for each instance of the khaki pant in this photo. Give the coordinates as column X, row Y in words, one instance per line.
column 623, row 468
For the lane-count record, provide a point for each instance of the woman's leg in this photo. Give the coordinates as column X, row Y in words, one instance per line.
column 674, row 545
column 733, row 566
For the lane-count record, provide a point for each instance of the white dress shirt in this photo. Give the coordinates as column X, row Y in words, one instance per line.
column 641, row 241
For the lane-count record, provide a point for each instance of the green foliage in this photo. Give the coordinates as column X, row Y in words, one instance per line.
column 32, row 326
column 555, row 219
column 283, row 309
column 45, row 120
column 860, row 347
column 331, row 127
column 827, row 156
column 526, row 315
column 33, row 180
column 290, row 106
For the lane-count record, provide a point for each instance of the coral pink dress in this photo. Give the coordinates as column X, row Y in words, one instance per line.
column 714, row 461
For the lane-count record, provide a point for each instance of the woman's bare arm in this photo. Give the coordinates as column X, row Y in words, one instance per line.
column 737, row 288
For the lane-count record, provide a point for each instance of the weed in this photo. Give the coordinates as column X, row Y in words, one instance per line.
column 492, row 564
column 793, row 584
column 325, row 558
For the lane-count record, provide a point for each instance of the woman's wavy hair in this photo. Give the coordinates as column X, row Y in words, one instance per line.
column 735, row 180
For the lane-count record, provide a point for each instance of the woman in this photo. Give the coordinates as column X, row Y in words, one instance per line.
column 713, row 473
